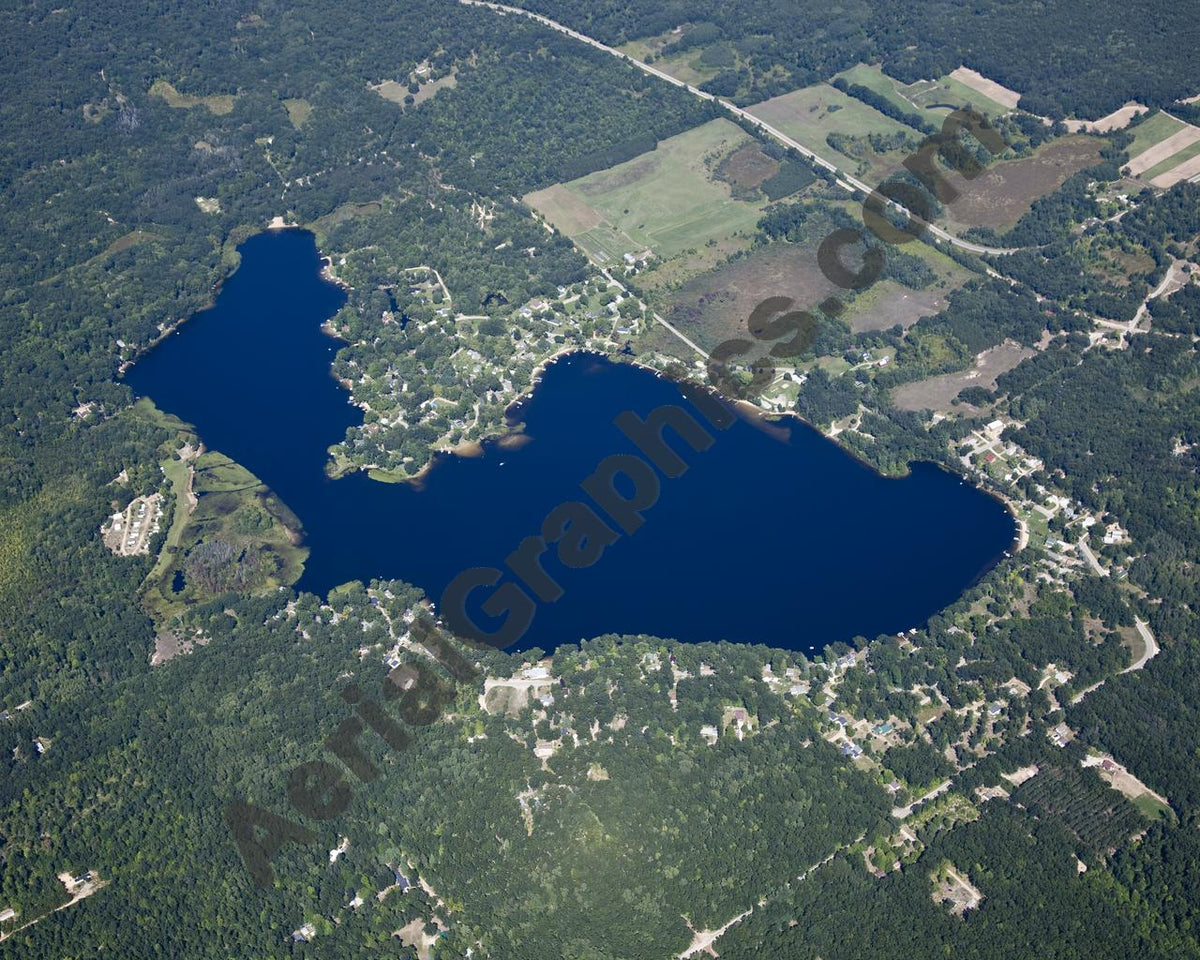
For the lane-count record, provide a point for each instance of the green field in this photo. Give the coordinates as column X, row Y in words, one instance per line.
column 810, row 114
column 667, row 200
column 873, row 78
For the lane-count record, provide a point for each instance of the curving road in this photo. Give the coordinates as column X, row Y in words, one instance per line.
column 774, row 132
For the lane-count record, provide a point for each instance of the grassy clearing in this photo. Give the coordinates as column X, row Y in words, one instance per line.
column 942, row 96
column 888, row 303
column 689, row 66
column 298, row 111
column 346, row 211
column 398, row 93
column 667, row 201
column 811, row 114
column 390, row 90
column 131, row 239
column 875, row 79
column 1152, row 808
column 218, row 104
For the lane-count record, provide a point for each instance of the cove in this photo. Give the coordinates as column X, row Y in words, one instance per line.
column 774, row 535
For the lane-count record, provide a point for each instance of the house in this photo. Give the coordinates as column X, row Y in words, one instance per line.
column 994, row 710
column 304, row 934
column 851, row 749
column 536, row 673
column 630, row 259
column 838, row 719
column 401, row 881
column 709, row 733
column 8, row 913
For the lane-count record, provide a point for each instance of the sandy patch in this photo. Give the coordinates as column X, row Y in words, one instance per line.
column 1120, row 779
column 1021, row 774
column 1116, row 120
column 413, row 934
column 953, row 889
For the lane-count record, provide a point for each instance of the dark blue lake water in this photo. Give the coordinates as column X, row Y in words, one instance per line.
column 773, row 535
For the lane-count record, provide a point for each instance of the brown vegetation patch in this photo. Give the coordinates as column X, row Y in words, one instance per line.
column 1003, row 193
column 747, row 168
column 715, row 306
column 563, row 209
column 622, row 175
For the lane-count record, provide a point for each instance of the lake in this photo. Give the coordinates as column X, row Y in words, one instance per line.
column 773, row 535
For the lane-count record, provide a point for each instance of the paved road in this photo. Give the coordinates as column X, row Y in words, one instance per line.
column 1090, row 557
column 844, row 178
column 1151, row 646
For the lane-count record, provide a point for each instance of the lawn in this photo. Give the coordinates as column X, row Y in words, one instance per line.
column 668, row 200
column 810, row 114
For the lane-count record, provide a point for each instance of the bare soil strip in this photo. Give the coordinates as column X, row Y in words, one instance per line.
column 1185, row 171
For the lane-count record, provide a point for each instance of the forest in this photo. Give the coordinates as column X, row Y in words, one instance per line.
column 1063, row 64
